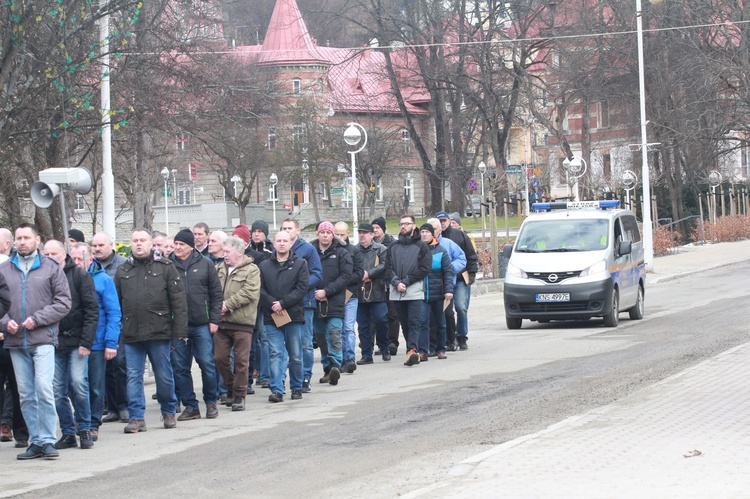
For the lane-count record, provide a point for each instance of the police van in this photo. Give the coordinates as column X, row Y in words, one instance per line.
column 575, row 261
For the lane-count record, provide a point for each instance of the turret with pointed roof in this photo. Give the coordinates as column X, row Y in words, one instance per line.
column 287, row 39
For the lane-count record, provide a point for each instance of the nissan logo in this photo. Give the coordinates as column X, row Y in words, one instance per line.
column 552, row 278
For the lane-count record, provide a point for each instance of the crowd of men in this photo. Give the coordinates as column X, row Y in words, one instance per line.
column 78, row 323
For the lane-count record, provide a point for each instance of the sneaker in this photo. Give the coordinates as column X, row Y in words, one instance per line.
column 452, row 346
column 441, row 355
column 111, row 417
column 223, row 398
column 334, row 376
column 423, row 357
column 66, row 442
column 211, row 411
column 296, row 394
column 189, row 414
column 432, row 353
column 462, row 343
column 364, row 361
column 275, row 397
column 33, row 452
column 250, row 390
column 95, row 435
column 87, row 441
column 49, row 451
column 306, row 388
column 135, row 426
column 6, row 434
column 264, row 383
column 412, row 358
column 238, row 404
column 22, row 444
column 386, row 356
column 168, row 420
column 351, row 366
column 392, row 348
column 229, row 401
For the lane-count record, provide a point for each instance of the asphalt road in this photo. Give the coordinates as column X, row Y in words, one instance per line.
column 389, row 429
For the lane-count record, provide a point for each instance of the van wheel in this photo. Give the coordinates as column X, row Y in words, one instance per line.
column 613, row 317
column 513, row 322
column 636, row 313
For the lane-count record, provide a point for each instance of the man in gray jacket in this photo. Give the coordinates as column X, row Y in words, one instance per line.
column 41, row 300
column 372, row 310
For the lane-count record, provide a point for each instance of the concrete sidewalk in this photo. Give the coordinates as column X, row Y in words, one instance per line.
column 686, row 436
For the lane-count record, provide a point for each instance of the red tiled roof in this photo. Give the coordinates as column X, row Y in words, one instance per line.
column 287, row 38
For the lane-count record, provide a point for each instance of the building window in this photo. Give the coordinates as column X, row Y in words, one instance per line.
column 379, row 191
column 545, row 100
column 322, row 191
column 296, row 86
column 271, row 137
column 406, row 141
column 80, row 204
column 182, row 140
column 607, row 166
column 602, row 112
column 409, row 189
column 299, row 135
column 745, row 159
column 183, row 195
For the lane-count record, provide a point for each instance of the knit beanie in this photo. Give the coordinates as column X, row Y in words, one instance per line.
column 77, row 235
column 428, row 227
column 379, row 221
column 326, row 225
column 185, row 236
column 259, row 225
column 242, row 232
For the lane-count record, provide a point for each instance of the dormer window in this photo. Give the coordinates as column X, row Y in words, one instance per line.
column 296, row 86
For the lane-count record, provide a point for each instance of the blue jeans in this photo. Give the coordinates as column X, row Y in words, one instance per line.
column 285, row 343
column 97, row 383
column 35, row 373
column 328, row 333
column 264, row 371
column 199, row 344
column 72, row 380
column 308, row 353
column 461, row 296
column 348, row 338
column 432, row 312
column 158, row 353
column 369, row 316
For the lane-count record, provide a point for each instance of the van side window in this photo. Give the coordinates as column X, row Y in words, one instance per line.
column 618, row 231
column 630, row 227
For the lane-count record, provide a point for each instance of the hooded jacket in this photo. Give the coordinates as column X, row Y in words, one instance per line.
column 286, row 283
column 241, row 294
column 202, row 288
column 152, row 299
column 440, row 278
column 110, row 316
column 78, row 328
column 407, row 261
column 461, row 238
column 42, row 294
column 373, row 262
column 355, row 283
column 337, row 272
column 305, row 250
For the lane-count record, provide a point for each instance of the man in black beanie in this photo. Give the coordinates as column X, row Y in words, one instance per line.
column 380, row 237
column 75, row 236
column 378, row 230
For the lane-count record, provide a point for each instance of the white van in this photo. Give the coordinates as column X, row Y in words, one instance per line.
column 574, row 261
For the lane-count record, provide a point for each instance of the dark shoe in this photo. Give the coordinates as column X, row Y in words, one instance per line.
column 6, row 434
column 378, row 352
column 22, row 444
column 393, row 349
column 412, row 358
column 250, row 390
column 386, row 356
column 423, row 357
column 87, row 441
column 432, row 353
column 135, row 426
column 306, row 388
column 229, row 401
column 334, row 376
column 49, row 451
column 264, row 384
column 326, row 378
column 364, row 361
column 276, row 397
column 154, row 397
column 223, row 399
column 111, row 417
column 238, row 404
column 462, row 343
column 189, row 414
column 452, row 346
column 351, row 366
column 32, row 452
column 168, row 420
column 296, row 394
column 95, row 435
column 441, row 355
column 66, row 442
column 211, row 411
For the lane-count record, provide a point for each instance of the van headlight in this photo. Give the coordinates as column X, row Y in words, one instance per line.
column 597, row 268
column 514, row 271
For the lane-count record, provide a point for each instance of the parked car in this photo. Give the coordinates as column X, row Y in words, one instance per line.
column 474, row 207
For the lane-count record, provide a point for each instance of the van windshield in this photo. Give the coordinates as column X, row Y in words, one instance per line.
column 548, row 236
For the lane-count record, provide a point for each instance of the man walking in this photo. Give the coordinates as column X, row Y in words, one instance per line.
column 204, row 297
column 154, row 314
column 373, row 295
column 407, row 264
column 349, row 338
column 283, row 289
column 438, row 288
column 42, row 299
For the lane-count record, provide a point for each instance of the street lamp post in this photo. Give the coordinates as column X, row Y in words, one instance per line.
column 482, row 168
column 575, row 168
column 273, row 180
column 234, row 181
column 165, row 176
column 352, row 136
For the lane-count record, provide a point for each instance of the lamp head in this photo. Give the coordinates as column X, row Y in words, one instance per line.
column 352, row 135
column 165, row 173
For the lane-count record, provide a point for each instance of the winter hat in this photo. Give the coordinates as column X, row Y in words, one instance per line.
column 441, row 215
column 242, row 232
column 428, row 227
column 77, row 235
column 259, row 225
column 185, row 236
column 456, row 217
column 364, row 228
column 325, row 226
column 380, row 221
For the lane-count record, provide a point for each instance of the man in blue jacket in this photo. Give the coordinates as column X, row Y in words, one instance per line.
column 32, row 324
column 304, row 250
column 107, row 331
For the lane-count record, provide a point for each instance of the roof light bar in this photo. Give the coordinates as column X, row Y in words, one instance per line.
column 577, row 205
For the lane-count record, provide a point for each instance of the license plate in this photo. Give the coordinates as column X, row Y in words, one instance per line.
column 549, row 297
